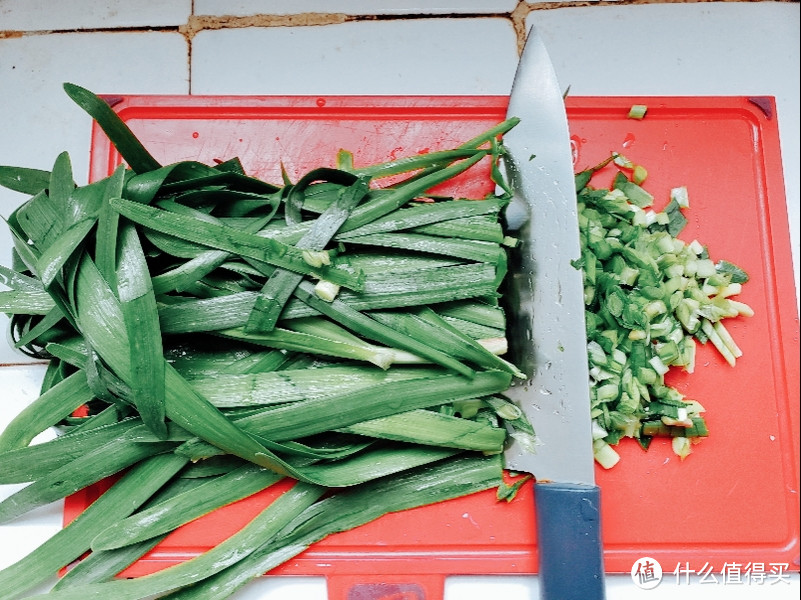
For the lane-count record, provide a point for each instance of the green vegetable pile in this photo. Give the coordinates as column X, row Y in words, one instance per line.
column 649, row 298
column 209, row 334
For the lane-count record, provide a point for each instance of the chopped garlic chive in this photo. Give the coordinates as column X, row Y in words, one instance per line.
column 604, row 454
column 709, row 329
column 681, row 446
column 639, row 174
column 742, row 308
column 316, row 258
column 598, row 432
column 326, row 290
column 727, row 339
column 696, row 247
column 637, row 111
column 496, row 345
column 622, row 161
column 680, row 196
column 694, row 407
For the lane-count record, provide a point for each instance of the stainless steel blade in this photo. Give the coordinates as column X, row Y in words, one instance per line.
column 547, row 330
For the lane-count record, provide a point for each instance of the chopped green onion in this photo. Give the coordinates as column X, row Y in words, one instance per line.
column 637, row 111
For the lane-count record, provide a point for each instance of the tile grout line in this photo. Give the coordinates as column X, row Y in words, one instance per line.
column 189, row 52
column 189, row 47
column 198, row 23
column 14, row 33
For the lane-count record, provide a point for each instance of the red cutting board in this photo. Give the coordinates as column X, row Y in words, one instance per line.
column 733, row 500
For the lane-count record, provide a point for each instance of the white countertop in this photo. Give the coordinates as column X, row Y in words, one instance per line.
column 381, row 47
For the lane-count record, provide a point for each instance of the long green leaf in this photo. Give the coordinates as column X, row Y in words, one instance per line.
column 77, row 474
column 61, row 183
column 316, row 415
column 69, row 543
column 263, row 527
column 298, row 341
column 166, row 516
column 57, row 254
column 294, row 385
column 279, row 287
column 22, row 179
column 131, row 149
column 424, row 323
column 424, row 213
column 364, row 325
column 400, row 195
column 235, row 241
column 182, row 277
column 41, row 328
column 475, row 250
column 433, row 428
column 105, row 565
column 21, row 465
column 108, row 226
column 47, row 410
column 140, row 315
column 372, row 464
column 484, row 228
column 381, row 291
column 26, row 302
column 39, row 221
column 412, row 163
column 451, row 478
column 101, row 321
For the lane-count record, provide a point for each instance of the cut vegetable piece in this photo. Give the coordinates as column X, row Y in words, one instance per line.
column 280, row 285
column 680, row 196
column 637, row 111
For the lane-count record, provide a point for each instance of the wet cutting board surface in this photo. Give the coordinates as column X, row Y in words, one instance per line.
column 734, row 499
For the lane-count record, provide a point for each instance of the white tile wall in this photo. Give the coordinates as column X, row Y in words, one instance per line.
column 352, row 7
column 38, row 120
column 42, row 15
column 421, row 56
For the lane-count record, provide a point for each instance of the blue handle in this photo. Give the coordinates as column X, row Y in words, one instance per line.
column 569, row 539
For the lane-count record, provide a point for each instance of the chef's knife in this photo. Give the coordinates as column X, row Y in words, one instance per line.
column 547, row 334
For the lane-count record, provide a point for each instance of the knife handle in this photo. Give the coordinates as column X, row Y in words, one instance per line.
column 569, row 538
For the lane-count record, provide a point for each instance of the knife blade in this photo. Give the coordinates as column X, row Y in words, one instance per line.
column 547, row 336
